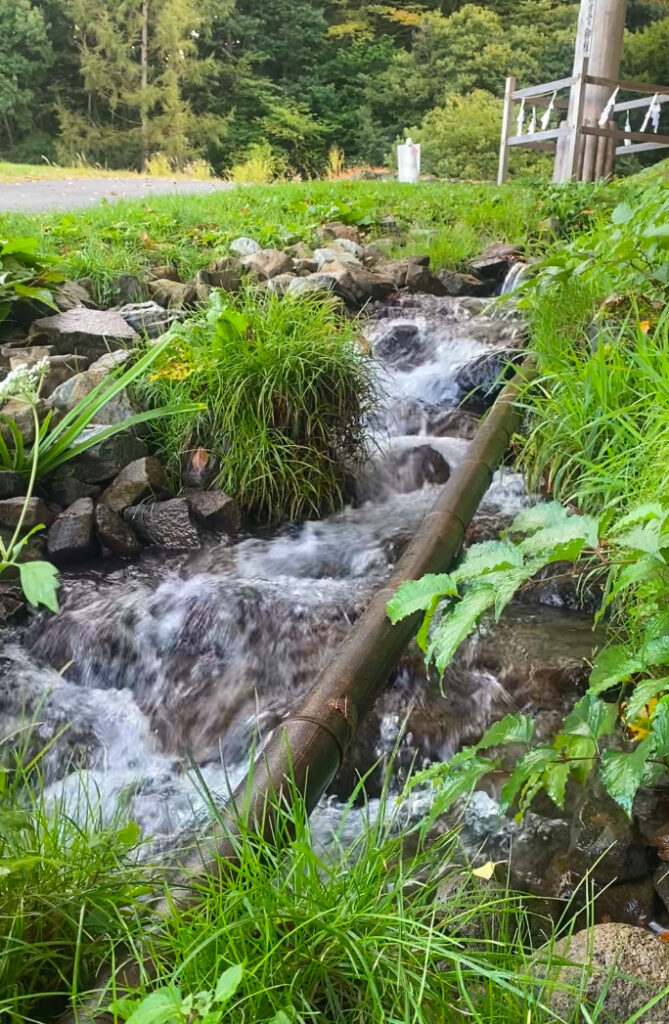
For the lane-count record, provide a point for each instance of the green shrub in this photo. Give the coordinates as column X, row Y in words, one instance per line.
column 25, row 276
column 286, row 392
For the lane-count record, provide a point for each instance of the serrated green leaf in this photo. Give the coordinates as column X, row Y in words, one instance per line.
column 579, row 750
column 457, row 782
column 591, row 717
column 39, row 581
column 510, row 729
column 656, row 651
column 641, row 514
column 622, row 213
column 639, row 571
column 160, row 1007
column 418, row 595
column 528, row 770
column 611, row 666
column 228, row 983
column 642, row 538
column 487, row 557
column 643, row 693
column 659, row 724
column 457, row 623
column 563, row 542
column 129, row 834
column 622, row 773
column 556, row 776
column 539, row 517
column 27, row 246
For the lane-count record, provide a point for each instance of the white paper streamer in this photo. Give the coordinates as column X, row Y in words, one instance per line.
column 521, row 117
column 606, row 112
column 545, row 120
column 628, row 128
column 533, row 123
column 650, row 113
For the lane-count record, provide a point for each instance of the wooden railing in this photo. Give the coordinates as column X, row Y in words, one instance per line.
column 572, row 128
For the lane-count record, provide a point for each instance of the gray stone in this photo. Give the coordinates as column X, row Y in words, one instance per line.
column 114, row 533
column 11, row 484
column 604, row 842
column 35, row 548
column 104, row 460
column 280, row 285
column 71, row 294
column 355, row 285
column 166, row 524
column 421, row 280
column 82, row 331
column 463, row 284
column 142, row 479
column 267, row 263
column 24, row 353
column 72, row 391
column 164, row 273
column 215, row 510
column 661, row 883
column 64, row 487
column 628, row 967
column 131, row 289
column 149, row 318
column 111, row 360
column 401, row 346
column 303, row 267
column 315, row 284
column 225, row 273
column 37, row 512
column 339, row 231
column 19, row 411
column 244, row 247
column 332, row 255
column 61, row 369
column 71, row 536
column 299, row 251
column 173, row 294
column 349, row 246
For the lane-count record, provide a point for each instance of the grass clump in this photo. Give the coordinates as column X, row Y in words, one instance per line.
column 287, row 393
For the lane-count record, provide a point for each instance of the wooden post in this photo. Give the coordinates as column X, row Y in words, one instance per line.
column 507, row 131
column 571, row 155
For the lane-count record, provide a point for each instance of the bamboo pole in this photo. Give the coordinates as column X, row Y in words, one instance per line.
column 305, row 751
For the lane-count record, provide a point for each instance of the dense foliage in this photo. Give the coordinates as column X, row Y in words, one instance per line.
column 121, row 84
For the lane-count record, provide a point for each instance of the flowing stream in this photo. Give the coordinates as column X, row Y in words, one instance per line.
column 192, row 658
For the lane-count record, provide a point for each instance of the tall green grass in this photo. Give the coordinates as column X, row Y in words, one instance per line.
column 287, row 392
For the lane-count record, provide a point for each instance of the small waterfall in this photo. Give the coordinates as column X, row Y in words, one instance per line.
column 515, row 275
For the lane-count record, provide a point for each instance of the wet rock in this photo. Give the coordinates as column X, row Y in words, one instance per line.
column 148, row 318
column 132, row 290
column 661, row 884
column 114, row 533
column 280, row 284
column 173, row 294
column 482, row 380
column 627, row 902
column 86, row 332
column 413, row 468
column 629, row 967
column 336, row 230
column 142, row 479
column 71, row 294
column 314, row 284
column 604, row 841
column 402, row 346
column 72, row 391
column 421, row 279
column 36, row 512
column 199, row 469
column 21, row 352
column 12, row 602
column 265, row 264
column 72, row 536
column 166, row 524
column 244, row 247
column 65, row 488
column 104, row 460
column 356, row 285
column 463, row 284
column 495, row 260
column 34, row 548
column 11, row 484
column 215, row 510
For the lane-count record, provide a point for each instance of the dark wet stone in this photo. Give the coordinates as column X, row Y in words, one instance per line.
column 106, row 459
column 64, row 487
column 11, row 484
column 166, row 524
column 402, row 346
column 215, row 510
column 144, row 478
column 71, row 536
column 131, row 289
column 482, row 380
column 114, row 533
column 37, row 512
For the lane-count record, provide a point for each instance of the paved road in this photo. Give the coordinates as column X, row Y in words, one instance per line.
column 68, row 193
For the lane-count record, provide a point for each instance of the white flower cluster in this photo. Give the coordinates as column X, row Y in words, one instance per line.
column 23, row 381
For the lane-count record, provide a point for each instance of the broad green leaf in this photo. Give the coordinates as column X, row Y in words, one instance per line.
column 656, row 651
column 622, row 213
column 457, row 782
column 228, row 983
column 642, row 538
column 129, row 834
column 489, row 556
column 622, row 773
column 530, row 768
column 563, row 542
column 510, row 729
column 39, row 581
column 641, row 514
column 659, row 724
column 643, row 693
column 26, row 246
column 611, row 666
column 556, row 776
column 539, row 517
column 281, row 1018
column 579, row 750
column 591, row 717
column 457, row 623
column 39, row 294
column 160, row 1007
column 639, row 571
column 417, row 595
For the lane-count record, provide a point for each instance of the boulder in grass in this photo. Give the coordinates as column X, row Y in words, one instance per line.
column 336, row 230
column 149, row 318
column 280, row 285
column 225, row 273
column 71, row 294
column 267, row 263
column 165, row 524
column 315, row 284
column 495, row 260
column 215, row 510
column 144, row 478
column 299, row 251
column 330, row 254
column 71, row 536
column 85, row 332
column 173, row 294
column 244, row 247
column 114, row 533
